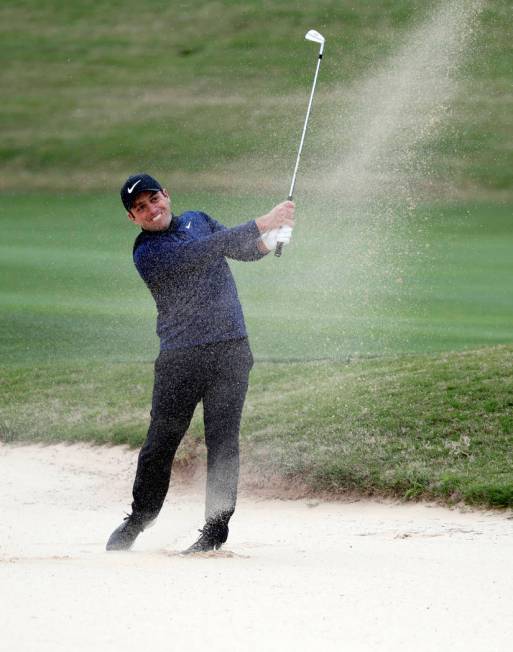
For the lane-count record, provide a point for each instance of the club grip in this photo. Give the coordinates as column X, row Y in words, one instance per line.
column 279, row 247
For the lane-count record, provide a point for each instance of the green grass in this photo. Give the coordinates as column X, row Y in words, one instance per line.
column 426, row 425
column 371, row 373
column 439, row 279
column 94, row 94
column 435, row 426
column 419, row 420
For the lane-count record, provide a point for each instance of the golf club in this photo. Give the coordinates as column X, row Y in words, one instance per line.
column 311, row 35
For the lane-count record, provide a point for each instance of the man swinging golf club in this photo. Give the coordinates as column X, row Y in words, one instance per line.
column 204, row 351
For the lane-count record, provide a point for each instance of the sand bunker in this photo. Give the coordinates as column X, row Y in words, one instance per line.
column 295, row 575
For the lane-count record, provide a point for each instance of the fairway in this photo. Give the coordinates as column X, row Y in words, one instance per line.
column 438, row 280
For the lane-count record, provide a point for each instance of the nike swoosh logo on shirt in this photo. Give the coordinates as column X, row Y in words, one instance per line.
column 131, row 189
column 188, row 226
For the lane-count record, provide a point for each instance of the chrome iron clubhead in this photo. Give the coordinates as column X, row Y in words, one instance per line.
column 316, row 37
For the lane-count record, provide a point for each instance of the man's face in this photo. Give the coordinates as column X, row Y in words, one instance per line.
column 151, row 210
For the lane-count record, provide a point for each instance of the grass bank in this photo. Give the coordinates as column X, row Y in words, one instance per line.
column 434, row 426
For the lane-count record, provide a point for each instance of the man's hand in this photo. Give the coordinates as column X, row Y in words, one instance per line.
column 281, row 215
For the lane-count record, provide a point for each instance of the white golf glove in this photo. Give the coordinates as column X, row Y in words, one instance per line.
column 271, row 238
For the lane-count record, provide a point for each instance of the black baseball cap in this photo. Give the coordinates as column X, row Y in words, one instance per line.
column 136, row 184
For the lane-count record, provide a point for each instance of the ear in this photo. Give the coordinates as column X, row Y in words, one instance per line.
column 165, row 193
column 130, row 216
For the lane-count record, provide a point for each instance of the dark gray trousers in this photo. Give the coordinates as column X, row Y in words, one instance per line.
column 216, row 374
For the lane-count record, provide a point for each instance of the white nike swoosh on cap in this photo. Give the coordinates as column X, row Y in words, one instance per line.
column 131, row 189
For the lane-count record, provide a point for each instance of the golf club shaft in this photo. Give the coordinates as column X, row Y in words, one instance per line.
column 279, row 246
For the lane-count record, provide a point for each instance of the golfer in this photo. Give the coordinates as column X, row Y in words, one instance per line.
column 204, row 351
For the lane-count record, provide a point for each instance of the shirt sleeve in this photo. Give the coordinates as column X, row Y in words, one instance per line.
column 156, row 257
column 246, row 251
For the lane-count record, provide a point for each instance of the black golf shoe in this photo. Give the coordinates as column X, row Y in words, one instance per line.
column 124, row 536
column 213, row 535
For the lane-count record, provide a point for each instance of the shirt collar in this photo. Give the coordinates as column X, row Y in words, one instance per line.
column 172, row 227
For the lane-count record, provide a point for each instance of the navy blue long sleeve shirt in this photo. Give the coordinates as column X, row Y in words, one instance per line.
column 186, row 271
